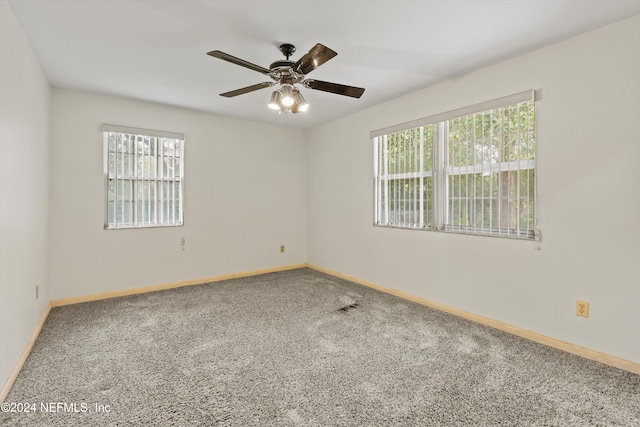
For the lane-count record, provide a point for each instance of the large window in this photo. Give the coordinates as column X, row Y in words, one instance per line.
column 144, row 172
column 471, row 170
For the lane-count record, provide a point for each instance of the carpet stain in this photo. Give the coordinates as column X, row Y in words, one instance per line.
column 348, row 307
column 293, row 415
column 327, row 347
column 467, row 344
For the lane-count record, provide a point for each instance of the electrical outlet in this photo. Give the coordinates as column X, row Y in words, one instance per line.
column 37, row 291
column 582, row 308
column 183, row 242
column 281, row 249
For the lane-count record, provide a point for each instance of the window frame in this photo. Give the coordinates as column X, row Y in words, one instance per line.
column 442, row 171
column 155, row 181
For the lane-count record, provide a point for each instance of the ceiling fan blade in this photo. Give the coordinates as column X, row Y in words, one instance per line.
column 238, row 61
column 352, row 91
column 247, row 89
column 318, row 55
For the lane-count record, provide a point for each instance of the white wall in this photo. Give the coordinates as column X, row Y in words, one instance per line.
column 588, row 154
column 245, row 195
column 24, row 191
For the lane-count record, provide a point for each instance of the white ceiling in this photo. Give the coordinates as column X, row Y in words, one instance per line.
column 155, row 50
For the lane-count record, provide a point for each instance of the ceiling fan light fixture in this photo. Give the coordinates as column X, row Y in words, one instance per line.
column 276, row 96
column 287, row 98
column 302, row 104
column 287, row 95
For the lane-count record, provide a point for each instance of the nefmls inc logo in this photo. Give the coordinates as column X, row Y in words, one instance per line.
column 74, row 407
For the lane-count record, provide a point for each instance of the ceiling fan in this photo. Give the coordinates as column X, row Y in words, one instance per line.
column 287, row 98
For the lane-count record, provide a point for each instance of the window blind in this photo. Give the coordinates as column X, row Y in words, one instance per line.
column 528, row 95
column 143, row 177
column 139, row 131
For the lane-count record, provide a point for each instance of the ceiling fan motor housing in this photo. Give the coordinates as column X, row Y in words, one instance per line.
column 287, row 50
column 282, row 71
column 282, row 63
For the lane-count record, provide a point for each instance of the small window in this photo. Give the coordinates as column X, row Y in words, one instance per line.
column 471, row 170
column 144, row 172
